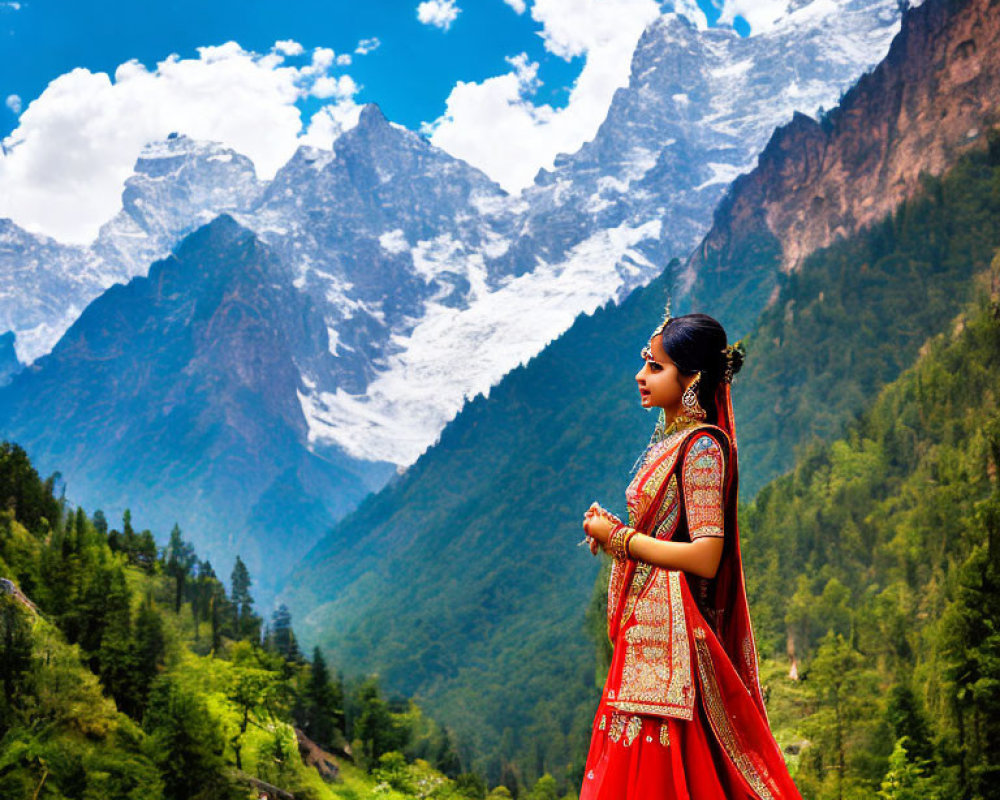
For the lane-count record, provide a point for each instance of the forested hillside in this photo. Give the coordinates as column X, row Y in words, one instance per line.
column 129, row 671
column 857, row 313
column 875, row 565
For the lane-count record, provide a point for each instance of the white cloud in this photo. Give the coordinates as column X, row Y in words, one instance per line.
column 65, row 164
column 517, row 5
column 323, row 58
column 13, row 102
column 365, row 46
column 329, row 122
column 343, row 87
column 394, row 241
column 289, row 47
column 344, row 60
column 13, row 6
column 439, row 13
column 494, row 124
column 691, row 10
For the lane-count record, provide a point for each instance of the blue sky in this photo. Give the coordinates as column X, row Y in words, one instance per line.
column 409, row 75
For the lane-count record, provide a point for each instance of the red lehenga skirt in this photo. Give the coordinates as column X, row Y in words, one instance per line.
column 724, row 752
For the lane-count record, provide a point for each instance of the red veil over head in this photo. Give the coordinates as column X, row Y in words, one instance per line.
column 733, row 627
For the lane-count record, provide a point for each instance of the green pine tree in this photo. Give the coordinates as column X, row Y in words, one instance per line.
column 905, row 779
column 187, row 744
column 116, row 654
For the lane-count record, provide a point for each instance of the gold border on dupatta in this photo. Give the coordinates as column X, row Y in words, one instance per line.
column 755, row 775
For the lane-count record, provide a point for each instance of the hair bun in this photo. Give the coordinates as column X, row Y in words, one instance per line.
column 734, row 355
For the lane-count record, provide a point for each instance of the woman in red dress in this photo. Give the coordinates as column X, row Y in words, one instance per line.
column 682, row 714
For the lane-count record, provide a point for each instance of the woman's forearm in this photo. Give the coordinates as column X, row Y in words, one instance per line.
column 700, row 557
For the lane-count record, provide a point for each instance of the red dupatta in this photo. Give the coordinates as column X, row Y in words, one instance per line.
column 728, row 596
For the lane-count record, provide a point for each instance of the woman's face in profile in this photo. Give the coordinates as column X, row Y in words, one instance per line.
column 660, row 382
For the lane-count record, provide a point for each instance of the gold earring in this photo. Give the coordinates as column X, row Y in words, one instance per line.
column 689, row 400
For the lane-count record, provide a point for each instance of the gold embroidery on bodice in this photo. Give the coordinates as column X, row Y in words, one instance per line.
column 656, row 668
column 640, row 494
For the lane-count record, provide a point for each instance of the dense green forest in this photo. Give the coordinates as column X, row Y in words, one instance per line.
column 129, row 671
column 875, row 564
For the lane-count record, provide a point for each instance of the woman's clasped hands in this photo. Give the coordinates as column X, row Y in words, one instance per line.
column 598, row 523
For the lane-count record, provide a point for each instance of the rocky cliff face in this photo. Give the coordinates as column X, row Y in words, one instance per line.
column 933, row 97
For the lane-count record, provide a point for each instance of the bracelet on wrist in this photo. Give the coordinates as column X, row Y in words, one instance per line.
column 614, row 542
column 632, row 533
column 618, row 541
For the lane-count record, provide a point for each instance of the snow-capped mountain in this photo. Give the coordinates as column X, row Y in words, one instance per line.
column 178, row 185
column 699, row 106
column 175, row 395
column 44, row 285
column 431, row 281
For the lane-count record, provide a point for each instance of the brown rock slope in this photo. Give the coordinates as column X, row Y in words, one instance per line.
column 931, row 99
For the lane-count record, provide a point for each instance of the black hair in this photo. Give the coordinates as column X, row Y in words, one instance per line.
column 697, row 343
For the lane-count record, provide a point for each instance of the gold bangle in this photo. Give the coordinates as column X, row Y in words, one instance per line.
column 619, row 540
column 616, row 542
column 632, row 533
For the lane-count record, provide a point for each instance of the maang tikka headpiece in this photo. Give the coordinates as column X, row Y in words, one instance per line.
column 647, row 351
column 666, row 320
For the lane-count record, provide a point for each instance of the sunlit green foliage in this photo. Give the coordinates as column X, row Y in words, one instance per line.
column 108, row 689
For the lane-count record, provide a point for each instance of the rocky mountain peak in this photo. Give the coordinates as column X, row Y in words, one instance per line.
column 371, row 117
column 932, row 98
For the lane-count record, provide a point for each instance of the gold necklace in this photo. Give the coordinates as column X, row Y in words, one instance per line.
column 681, row 422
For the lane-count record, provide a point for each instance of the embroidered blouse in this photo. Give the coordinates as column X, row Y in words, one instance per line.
column 703, row 478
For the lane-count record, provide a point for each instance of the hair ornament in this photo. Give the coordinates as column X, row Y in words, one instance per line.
column 733, row 356
column 666, row 321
